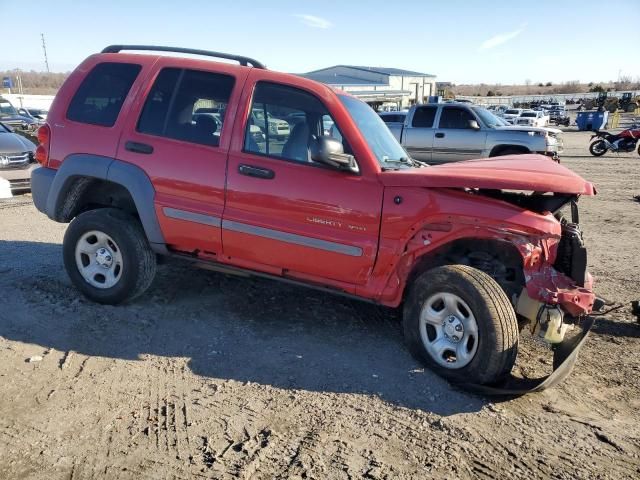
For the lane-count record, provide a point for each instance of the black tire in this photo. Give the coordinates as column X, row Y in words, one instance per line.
column 497, row 326
column 139, row 261
column 598, row 148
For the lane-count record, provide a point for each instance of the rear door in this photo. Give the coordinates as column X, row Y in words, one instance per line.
column 287, row 214
column 419, row 134
column 454, row 139
column 179, row 134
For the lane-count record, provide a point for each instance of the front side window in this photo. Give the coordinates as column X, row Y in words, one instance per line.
column 456, row 118
column 101, row 94
column 284, row 120
column 187, row 105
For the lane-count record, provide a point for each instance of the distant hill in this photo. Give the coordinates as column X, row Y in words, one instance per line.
column 548, row 88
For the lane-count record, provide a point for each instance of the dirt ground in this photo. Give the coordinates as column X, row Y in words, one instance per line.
column 211, row 376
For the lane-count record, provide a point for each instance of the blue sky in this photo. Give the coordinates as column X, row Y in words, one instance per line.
column 459, row 41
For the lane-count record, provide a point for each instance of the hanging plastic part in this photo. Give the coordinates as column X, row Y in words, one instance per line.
column 565, row 355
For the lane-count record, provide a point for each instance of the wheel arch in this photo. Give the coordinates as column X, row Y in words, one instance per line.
column 85, row 182
column 499, row 149
column 499, row 258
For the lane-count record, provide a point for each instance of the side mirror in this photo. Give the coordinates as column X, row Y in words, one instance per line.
column 329, row 151
column 473, row 124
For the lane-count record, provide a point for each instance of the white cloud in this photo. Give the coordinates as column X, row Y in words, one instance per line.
column 501, row 38
column 314, row 22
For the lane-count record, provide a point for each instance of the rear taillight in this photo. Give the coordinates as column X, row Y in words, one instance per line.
column 44, row 140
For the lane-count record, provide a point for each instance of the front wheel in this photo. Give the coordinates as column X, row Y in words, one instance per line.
column 460, row 323
column 598, row 148
column 107, row 256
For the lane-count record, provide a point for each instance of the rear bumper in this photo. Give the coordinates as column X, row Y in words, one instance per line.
column 41, row 180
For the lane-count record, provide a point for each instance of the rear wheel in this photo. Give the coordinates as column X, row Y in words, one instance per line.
column 107, row 256
column 460, row 323
column 598, row 148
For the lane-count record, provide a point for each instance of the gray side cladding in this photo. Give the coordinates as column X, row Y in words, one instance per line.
column 131, row 177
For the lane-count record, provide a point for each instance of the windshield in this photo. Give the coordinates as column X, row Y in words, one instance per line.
column 379, row 138
column 7, row 109
column 512, row 112
column 488, row 118
column 529, row 114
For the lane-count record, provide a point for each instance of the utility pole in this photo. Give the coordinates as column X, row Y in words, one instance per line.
column 44, row 48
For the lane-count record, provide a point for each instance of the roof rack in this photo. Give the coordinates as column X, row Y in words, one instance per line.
column 244, row 61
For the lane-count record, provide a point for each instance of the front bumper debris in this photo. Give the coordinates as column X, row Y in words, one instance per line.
column 565, row 355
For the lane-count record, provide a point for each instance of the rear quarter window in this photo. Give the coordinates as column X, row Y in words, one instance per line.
column 99, row 98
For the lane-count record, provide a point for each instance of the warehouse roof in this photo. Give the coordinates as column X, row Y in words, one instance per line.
column 379, row 70
column 391, row 71
column 337, row 79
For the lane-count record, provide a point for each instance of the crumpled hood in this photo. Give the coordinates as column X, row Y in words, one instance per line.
column 531, row 172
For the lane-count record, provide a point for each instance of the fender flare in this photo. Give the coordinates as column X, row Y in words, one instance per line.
column 127, row 175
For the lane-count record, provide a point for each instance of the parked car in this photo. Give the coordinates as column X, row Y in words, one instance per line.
column 533, row 118
column 10, row 116
column 349, row 213
column 278, row 128
column 559, row 116
column 511, row 114
column 440, row 133
column 36, row 114
column 16, row 159
column 499, row 110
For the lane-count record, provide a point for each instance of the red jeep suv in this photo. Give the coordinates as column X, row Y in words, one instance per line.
column 257, row 172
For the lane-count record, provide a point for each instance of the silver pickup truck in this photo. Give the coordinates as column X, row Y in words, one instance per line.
column 450, row 132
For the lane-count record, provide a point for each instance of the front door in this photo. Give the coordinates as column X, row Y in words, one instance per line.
column 287, row 214
column 180, row 139
column 454, row 139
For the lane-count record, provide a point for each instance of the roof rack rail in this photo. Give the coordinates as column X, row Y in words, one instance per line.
column 238, row 58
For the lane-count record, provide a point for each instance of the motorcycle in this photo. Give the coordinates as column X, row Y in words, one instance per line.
column 622, row 142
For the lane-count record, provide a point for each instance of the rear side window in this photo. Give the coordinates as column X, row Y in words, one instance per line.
column 392, row 118
column 424, row 117
column 187, row 105
column 101, row 94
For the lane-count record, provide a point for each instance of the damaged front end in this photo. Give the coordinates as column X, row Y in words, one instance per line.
column 558, row 289
column 557, row 296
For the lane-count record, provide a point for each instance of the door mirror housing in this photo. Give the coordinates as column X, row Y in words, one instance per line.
column 329, row 151
column 473, row 124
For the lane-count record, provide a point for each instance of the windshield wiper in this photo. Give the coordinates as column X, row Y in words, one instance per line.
column 406, row 161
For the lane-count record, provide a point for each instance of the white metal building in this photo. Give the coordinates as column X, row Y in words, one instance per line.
column 378, row 85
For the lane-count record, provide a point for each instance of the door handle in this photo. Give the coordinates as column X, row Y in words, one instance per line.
column 137, row 147
column 439, row 135
column 258, row 172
